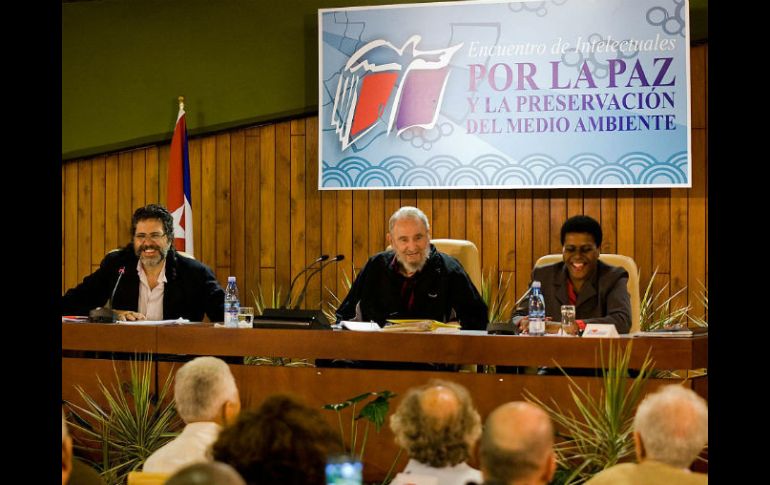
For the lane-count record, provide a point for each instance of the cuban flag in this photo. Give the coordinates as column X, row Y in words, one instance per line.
column 179, row 199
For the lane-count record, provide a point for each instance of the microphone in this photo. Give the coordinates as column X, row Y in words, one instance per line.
column 105, row 314
column 323, row 257
column 338, row 257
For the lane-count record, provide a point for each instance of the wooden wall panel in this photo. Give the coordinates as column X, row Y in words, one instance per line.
column 259, row 215
column 251, row 219
column 97, row 211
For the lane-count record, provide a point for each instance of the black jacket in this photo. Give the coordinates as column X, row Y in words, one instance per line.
column 443, row 292
column 602, row 299
column 191, row 289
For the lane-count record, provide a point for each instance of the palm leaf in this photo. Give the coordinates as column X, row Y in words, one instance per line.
column 655, row 314
column 133, row 424
column 600, row 435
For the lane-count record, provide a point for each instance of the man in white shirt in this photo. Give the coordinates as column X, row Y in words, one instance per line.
column 438, row 426
column 207, row 399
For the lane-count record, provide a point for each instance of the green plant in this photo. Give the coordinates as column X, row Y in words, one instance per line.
column 655, row 315
column 601, row 434
column 334, row 303
column 703, row 296
column 373, row 412
column 497, row 306
column 131, row 427
column 261, row 302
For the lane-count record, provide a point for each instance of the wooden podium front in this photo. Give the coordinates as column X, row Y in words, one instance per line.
column 90, row 349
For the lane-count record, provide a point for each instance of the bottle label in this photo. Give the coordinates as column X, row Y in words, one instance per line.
column 536, row 326
column 231, row 313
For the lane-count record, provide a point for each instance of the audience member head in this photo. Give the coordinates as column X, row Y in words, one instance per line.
column 66, row 451
column 205, row 390
column 210, row 473
column 581, row 239
column 282, row 442
column 437, row 424
column 409, row 235
column 152, row 227
column 671, row 426
column 517, row 445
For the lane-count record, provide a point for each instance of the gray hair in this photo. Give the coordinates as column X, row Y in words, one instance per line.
column 202, row 386
column 408, row 212
column 430, row 437
column 673, row 425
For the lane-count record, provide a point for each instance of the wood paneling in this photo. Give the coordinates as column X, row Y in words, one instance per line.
column 259, row 215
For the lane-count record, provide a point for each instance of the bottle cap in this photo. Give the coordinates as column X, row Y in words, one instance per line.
column 230, row 278
column 535, row 284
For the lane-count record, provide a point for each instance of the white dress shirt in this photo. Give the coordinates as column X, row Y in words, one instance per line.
column 189, row 447
column 449, row 475
column 151, row 300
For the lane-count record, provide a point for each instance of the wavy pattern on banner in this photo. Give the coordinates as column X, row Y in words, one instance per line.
column 492, row 170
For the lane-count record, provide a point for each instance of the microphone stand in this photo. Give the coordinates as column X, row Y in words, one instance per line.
column 105, row 314
column 339, row 257
column 323, row 257
column 294, row 317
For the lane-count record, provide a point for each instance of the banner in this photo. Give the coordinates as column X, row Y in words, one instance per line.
column 179, row 199
column 547, row 94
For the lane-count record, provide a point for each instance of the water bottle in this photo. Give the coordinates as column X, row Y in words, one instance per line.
column 536, row 310
column 232, row 303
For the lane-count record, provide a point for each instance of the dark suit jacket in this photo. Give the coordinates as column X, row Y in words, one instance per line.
column 191, row 289
column 602, row 299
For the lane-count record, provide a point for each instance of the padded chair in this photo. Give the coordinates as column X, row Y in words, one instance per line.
column 147, row 478
column 464, row 251
column 615, row 260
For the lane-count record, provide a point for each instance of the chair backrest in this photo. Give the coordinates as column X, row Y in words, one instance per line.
column 147, row 478
column 464, row 251
column 615, row 260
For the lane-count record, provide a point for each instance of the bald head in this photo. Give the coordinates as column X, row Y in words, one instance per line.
column 440, row 403
column 437, row 423
column 209, row 473
column 517, row 444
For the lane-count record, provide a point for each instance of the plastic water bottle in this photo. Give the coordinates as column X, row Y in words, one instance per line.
column 232, row 303
column 536, row 310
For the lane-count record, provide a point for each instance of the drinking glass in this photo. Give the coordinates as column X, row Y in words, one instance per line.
column 246, row 317
column 568, row 325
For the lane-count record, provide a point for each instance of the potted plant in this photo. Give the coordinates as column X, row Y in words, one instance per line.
column 133, row 425
column 600, row 435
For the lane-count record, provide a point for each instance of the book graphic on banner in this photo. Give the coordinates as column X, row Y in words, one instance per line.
column 390, row 88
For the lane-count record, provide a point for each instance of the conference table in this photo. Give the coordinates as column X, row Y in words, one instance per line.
column 91, row 350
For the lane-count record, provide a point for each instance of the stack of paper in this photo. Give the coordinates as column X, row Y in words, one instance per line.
column 420, row 326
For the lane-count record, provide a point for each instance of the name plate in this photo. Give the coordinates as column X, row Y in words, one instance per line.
column 600, row 330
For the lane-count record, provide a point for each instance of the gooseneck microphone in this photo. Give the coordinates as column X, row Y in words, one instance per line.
column 338, row 257
column 319, row 259
column 294, row 318
column 105, row 314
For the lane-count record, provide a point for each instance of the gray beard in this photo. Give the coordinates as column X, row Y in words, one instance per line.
column 150, row 262
column 155, row 261
column 414, row 267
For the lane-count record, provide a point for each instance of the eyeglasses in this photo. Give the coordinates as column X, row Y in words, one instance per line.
column 153, row 236
column 584, row 249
